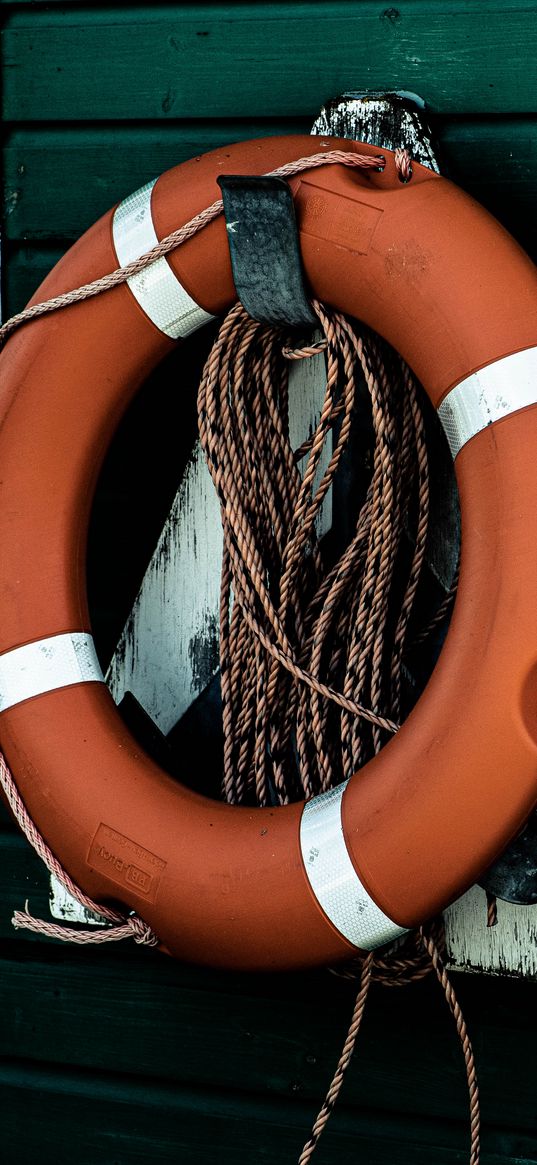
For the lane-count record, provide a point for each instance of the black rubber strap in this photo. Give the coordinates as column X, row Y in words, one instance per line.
column 264, row 249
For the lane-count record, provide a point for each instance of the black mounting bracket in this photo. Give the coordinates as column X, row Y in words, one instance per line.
column 264, row 248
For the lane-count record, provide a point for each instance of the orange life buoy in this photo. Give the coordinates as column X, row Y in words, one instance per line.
column 428, row 268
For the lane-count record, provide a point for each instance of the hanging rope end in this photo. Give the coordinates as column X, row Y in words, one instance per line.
column 20, row 918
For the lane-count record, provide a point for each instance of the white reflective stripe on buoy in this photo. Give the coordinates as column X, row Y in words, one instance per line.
column 47, row 664
column 334, row 880
column 160, row 294
column 488, row 395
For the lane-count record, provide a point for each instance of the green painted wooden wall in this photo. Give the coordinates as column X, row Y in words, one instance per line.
column 120, row 1055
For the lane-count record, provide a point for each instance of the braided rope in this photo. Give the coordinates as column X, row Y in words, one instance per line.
column 298, row 623
column 492, row 910
column 133, row 927
column 456, row 1012
column 130, row 926
column 345, row 1058
column 403, row 162
column 172, row 241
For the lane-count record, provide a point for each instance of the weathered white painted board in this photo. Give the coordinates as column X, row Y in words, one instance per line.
column 168, row 651
column 510, row 948
column 67, row 909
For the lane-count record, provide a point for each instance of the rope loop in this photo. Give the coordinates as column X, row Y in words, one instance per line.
column 119, row 926
column 132, row 927
column 403, row 164
column 141, row 931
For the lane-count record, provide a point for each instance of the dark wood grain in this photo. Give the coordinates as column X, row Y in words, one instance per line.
column 267, row 59
column 58, row 1117
column 131, row 1011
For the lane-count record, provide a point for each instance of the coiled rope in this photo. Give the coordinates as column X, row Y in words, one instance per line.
column 312, row 642
column 311, row 650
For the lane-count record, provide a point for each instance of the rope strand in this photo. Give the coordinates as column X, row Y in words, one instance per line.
column 456, row 1012
column 343, row 1063
column 121, row 926
column 168, row 244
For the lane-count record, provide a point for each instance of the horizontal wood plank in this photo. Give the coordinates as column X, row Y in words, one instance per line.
column 57, row 1117
column 497, row 162
column 24, row 269
column 103, row 165
column 137, row 1012
column 229, row 60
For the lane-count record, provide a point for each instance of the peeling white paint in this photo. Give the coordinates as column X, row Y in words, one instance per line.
column 510, row 948
column 67, row 909
column 168, row 651
column 175, row 610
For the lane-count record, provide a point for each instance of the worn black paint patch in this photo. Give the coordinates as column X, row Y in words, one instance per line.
column 196, row 743
column 203, row 653
column 513, row 876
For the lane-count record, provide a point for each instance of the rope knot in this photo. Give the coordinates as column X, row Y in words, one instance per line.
column 141, row 931
column 403, row 164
